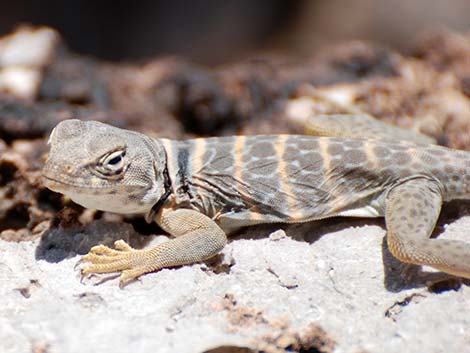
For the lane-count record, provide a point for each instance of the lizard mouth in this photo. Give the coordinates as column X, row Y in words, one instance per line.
column 54, row 184
column 64, row 186
column 61, row 185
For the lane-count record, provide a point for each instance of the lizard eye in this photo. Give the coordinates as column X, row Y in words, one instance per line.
column 114, row 160
column 112, row 163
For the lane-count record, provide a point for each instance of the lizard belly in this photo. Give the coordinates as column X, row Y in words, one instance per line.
column 231, row 221
column 368, row 211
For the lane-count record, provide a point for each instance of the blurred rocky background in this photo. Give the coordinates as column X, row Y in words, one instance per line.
column 214, row 32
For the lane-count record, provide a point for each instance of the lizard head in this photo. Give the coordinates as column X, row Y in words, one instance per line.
column 106, row 168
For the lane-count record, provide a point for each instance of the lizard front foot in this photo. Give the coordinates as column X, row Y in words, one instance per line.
column 131, row 262
column 197, row 238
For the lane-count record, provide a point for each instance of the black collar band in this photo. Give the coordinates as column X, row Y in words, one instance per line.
column 149, row 217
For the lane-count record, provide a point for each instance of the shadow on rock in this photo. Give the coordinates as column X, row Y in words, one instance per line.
column 308, row 231
column 400, row 276
column 61, row 242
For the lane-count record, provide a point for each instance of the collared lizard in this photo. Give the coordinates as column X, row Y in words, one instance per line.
column 202, row 189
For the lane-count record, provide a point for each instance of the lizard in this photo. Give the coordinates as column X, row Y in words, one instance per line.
column 201, row 190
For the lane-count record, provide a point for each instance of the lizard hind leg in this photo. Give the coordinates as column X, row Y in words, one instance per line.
column 411, row 211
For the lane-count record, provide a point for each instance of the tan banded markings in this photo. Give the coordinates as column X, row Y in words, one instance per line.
column 197, row 162
column 328, row 179
column 370, row 154
column 324, row 143
column 284, row 182
column 239, row 150
column 195, row 166
column 168, row 146
column 238, row 158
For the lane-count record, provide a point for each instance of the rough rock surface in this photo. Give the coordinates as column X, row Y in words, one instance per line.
column 328, row 286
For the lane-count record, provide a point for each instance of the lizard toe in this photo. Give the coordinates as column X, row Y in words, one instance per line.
column 111, row 267
column 103, row 250
column 121, row 245
column 99, row 259
column 130, row 275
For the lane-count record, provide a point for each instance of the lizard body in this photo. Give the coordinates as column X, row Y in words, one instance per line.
column 202, row 189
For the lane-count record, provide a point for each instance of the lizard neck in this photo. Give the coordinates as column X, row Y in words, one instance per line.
column 166, row 194
column 177, row 163
column 162, row 175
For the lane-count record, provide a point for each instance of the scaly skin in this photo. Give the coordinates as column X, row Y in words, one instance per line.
column 200, row 190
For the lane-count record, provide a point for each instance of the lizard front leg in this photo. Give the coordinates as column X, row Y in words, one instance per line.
column 197, row 238
column 411, row 212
